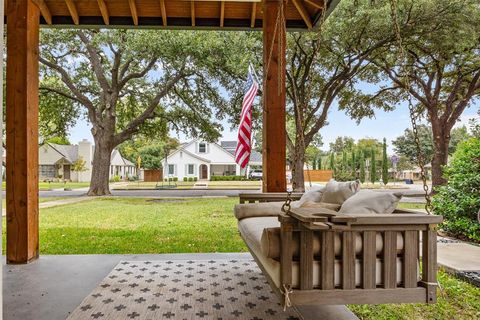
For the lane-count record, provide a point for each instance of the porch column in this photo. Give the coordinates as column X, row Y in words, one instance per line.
column 274, row 132
column 22, row 131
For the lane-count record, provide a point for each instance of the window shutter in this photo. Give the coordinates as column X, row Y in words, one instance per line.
column 196, row 147
column 186, row 170
column 207, row 146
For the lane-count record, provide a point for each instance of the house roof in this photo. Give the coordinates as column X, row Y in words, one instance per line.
column 230, row 146
column 182, row 148
column 68, row 152
column 125, row 161
column 199, row 14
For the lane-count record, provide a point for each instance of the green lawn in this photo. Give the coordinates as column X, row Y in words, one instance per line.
column 57, row 185
column 411, row 205
column 40, row 200
column 127, row 225
column 212, row 185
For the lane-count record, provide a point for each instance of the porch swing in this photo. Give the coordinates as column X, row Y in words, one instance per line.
column 313, row 256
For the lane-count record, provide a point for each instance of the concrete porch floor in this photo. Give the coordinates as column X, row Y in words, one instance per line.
column 53, row 286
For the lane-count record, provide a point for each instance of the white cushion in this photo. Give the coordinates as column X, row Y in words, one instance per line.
column 251, row 231
column 315, row 194
column 368, row 201
column 338, row 192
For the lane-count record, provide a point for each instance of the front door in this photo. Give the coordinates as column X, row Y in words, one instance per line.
column 203, row 172
column 66, row 172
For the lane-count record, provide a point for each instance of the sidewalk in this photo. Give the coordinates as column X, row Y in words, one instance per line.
column 459, row 258
column 50, row 204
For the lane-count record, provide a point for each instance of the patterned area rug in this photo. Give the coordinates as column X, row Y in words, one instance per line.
column 181, row 289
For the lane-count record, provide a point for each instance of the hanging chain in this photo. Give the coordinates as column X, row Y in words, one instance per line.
column 411, row 107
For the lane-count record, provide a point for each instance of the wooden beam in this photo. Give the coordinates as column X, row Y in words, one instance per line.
column 222, row 13
column 44, row 10
column 73, row 11
column 164, row 12
column 254, row 15
column 192, row 12
column 22, row 131
column 303, row 13
column 274, row 103
column 104, row 11
column 316, row 4
column 133, row 10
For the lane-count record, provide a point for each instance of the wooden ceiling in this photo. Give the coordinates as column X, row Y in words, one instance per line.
column 203, row 14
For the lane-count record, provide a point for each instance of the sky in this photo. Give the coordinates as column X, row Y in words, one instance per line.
column 385, row 124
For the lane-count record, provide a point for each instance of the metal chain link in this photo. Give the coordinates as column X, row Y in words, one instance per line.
column 411, row 107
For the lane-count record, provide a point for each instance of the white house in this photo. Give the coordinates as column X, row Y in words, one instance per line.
column 56, row 162
column 205, row 159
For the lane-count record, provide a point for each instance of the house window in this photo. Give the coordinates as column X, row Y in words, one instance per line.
column 202, row 147
column 190, row 169
column 47, row 171
column 171, row 169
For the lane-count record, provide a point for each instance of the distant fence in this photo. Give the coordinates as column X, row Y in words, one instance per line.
column 317, row 175
column 152, row 175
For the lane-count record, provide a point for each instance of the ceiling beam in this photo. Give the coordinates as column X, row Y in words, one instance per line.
column 315, row 3
column 104, row 11
column 73, row 11
column 133, row 10
column 222, row 13
column 164, row 12
column 192, row 10
column 44, row 10
column 303, row 13
column 254, row 15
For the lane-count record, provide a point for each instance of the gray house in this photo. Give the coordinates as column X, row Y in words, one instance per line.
column 56, row 162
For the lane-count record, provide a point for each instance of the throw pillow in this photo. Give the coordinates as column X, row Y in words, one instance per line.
column 338, row 192
column 368, row 201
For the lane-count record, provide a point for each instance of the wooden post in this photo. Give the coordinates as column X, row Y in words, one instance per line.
column 22, row 131
column 274, row 132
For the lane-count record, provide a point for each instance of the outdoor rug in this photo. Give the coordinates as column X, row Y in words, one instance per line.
column 181, row 289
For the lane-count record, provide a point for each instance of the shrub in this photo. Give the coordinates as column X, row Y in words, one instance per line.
column 115, row 179
column 459, row 200
column 190, row 179
column 195, row 179
column 175, row 179
column 185, row 179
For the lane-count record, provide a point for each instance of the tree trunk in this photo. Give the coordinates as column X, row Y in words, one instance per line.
column 101, row 167
column 441, row 141
column 440, row 159
column 297, row 169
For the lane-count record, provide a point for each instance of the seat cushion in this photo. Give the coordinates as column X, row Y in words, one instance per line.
column 270, row 244
column 338, row 192
column 251, row 230
column 368, row 201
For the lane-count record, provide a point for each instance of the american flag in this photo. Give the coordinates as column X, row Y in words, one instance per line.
column 244, row 143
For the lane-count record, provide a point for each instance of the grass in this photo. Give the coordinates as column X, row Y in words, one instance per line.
column 132, row 225
column 40, row 200
column 459, row 300
column 43, row 186
column 212, row 185
column 411, row 205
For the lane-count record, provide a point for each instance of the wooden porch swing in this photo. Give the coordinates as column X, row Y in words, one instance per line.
column 323, row 258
